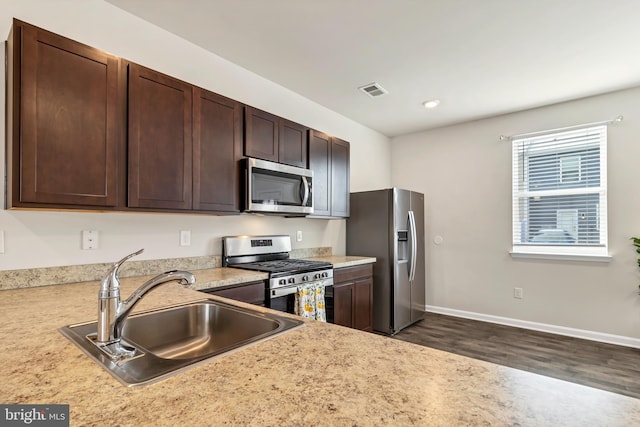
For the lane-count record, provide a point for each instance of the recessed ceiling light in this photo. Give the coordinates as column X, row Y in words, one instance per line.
column 433, row 103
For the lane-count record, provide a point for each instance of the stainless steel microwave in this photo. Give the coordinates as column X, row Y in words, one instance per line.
column 277, row 188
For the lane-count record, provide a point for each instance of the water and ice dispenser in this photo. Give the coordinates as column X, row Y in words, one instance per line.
column 403, row 245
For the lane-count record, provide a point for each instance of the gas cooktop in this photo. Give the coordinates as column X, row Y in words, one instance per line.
column 284, row 266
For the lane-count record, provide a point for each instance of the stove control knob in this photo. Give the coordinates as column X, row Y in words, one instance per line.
column 325, row 274
column 316, row 276
column 305, row 278
column 282, row 282
column 292, row 280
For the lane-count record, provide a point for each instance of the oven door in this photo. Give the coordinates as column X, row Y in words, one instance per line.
column 277, row 188
column 284, row 299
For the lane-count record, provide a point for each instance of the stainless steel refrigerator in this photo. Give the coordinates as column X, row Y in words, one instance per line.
column 389, row 225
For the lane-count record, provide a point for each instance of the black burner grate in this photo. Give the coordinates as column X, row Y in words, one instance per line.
column 284, row 266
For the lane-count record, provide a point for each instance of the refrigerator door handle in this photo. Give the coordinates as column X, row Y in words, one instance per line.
column 414, row 246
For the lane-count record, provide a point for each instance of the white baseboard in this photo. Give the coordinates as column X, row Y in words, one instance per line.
column 560, row 330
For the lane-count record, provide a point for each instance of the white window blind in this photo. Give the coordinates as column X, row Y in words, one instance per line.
column 560, row 192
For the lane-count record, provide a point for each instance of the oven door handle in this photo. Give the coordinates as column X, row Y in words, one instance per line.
column 289, row 290
column 281, row 292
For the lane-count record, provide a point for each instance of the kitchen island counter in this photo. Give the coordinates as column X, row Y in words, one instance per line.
column 320, row 374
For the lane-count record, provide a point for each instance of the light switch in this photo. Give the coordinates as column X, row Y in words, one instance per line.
column 185, row 237
column 299, row 235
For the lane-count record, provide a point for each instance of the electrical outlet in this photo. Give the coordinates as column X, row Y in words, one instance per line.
column 299, row 235
column 517, row 293
column 89, row 239
column 185, row 237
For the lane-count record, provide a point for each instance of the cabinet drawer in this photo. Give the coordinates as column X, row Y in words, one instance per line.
column 252, row 293
column 348, row 274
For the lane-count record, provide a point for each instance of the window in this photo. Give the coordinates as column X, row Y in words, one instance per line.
column 570, row 169
column 560, row 193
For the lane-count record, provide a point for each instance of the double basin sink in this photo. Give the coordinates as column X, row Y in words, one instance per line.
column 172, row 339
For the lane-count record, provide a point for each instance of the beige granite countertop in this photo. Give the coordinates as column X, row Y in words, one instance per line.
column 339, row 261
column 209, row 271
column 224, row 276
column 221, row 277
column 320, row 374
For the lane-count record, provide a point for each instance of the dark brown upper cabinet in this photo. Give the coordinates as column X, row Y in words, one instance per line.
column 89, row 130
column 261, row 132
column 329, row 161
column 64, row 130
column 339, row 178
column 320, row 164
column 293, row 143
column 217, row 151
column 159, row 143
column 273, row 138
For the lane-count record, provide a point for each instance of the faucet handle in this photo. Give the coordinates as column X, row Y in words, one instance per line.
column 122, row 261
column 110, row 286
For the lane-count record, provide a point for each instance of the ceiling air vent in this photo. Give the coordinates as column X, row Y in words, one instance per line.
column 373, row 90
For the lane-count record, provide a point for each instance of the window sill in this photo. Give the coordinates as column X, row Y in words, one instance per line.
column 560, row 257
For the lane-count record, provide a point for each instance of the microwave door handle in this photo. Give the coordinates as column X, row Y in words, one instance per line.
column 305, row 196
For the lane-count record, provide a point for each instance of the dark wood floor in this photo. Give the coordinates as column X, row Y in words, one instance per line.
column 604, row 366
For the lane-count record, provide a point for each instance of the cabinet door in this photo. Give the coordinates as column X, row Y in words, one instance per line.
column 66, row 136
column 353, row 296
column 159, row 140
column 319, row 163
column 339, row 178
column 261, row 134
column 363, row 304
column 342, row 305
column 217, row 151
column 293, row 144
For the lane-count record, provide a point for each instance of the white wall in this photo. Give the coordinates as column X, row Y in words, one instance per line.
column 38, row 239
column 465, row 173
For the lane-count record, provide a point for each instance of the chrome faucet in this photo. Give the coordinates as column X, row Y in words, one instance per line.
column 112, row 312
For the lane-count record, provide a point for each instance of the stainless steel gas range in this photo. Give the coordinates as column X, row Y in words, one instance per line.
column 270, row 254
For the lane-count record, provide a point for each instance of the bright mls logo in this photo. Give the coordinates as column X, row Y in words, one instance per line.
column 34, row 415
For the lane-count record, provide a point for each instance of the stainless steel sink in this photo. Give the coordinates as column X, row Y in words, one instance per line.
column 175, row 338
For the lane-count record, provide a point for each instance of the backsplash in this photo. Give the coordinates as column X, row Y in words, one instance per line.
column 310, row 252
column 33, row 277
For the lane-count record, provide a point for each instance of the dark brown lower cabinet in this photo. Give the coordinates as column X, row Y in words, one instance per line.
column 252, row 293
column 352, row 301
